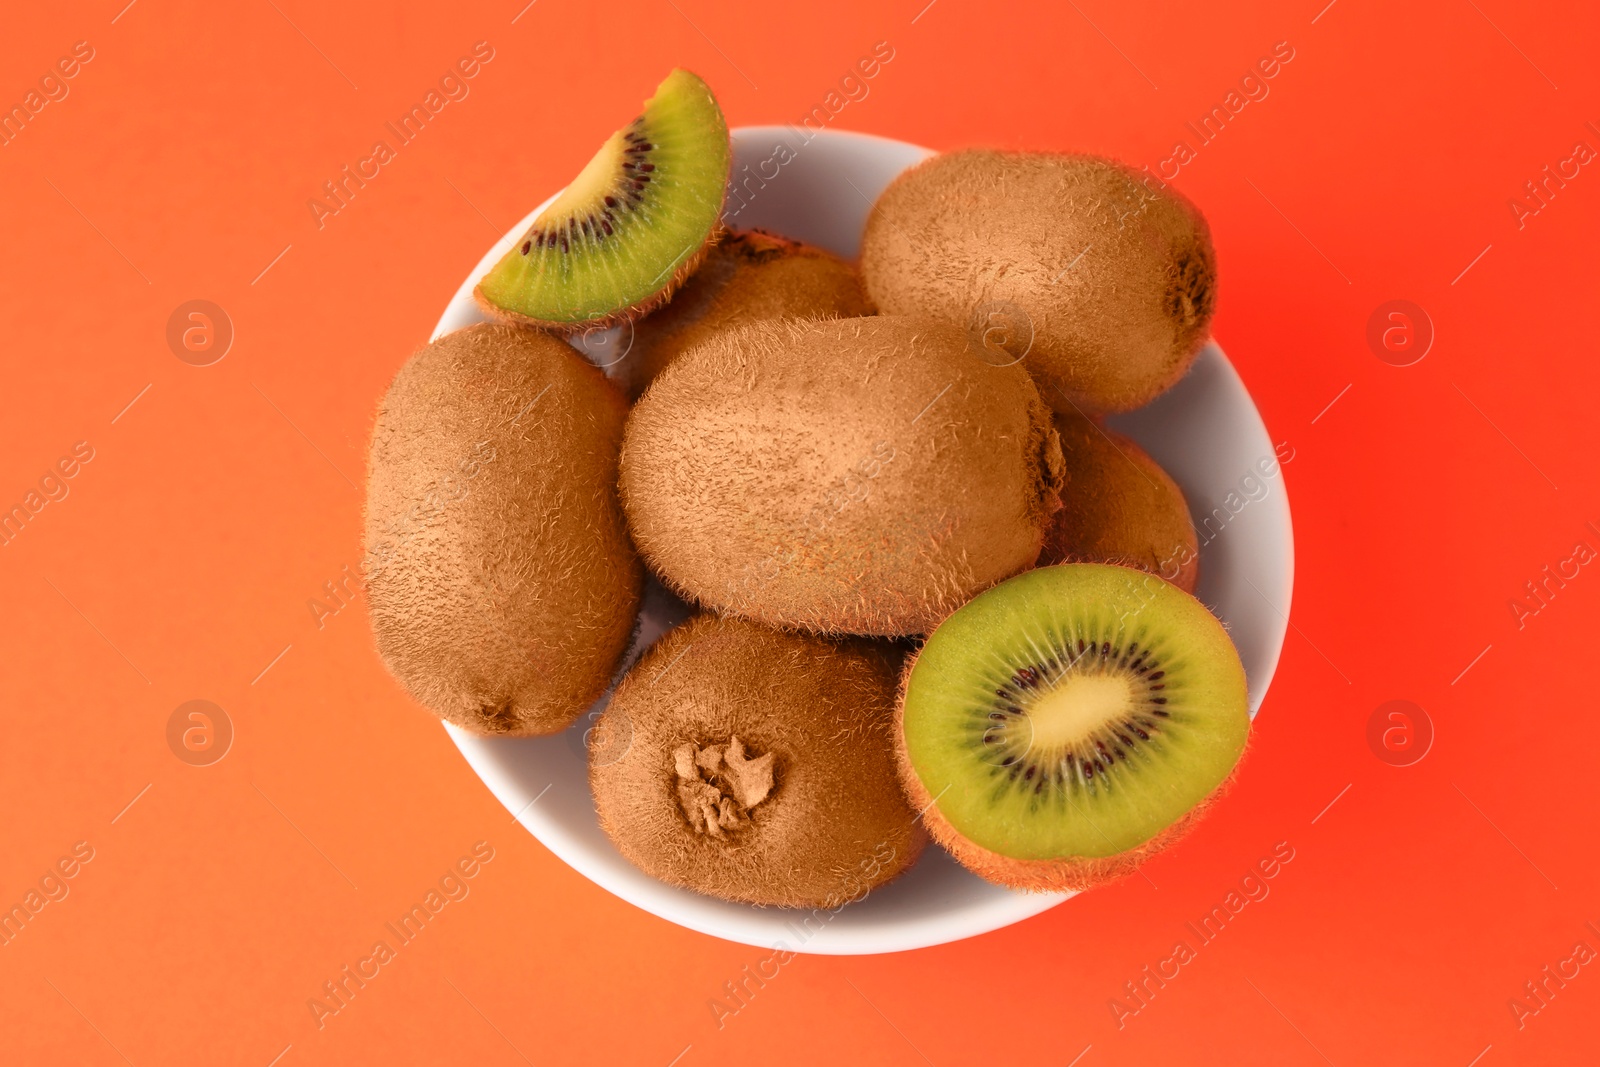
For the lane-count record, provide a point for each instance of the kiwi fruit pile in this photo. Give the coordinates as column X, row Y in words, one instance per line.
column 929, row 593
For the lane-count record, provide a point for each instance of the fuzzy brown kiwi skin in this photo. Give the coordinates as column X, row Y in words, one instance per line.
column 728, row 457
column 823, row 707
column 501, row 593
column 1064, row 875
column 747, row 275
column 616, row 318
column 975, row 229
column 1123, row 508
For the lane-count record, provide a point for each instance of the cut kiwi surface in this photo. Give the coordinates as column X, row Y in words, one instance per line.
column 1069, row 722
column 631, row 227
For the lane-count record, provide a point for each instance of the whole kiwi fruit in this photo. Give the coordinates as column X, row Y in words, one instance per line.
column 747, row 276
column 502, row 585
column 862, row 475
column 756, row 765
column 1069, row 723
column 1122, row 508
column 1100, row 278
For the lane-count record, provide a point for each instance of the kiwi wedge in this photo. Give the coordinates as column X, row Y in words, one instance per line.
column 1121, row 508
column 632, row 225
column 1100, row 278
column 847, row 476
column 747, row 276
column 1069, row 723
column 502, row 585
column 758, row 765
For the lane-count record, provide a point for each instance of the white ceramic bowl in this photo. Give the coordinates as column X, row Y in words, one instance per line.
column 1206, row 432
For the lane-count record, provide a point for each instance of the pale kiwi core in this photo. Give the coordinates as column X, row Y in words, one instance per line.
column 1072, row 712
column 596, row 177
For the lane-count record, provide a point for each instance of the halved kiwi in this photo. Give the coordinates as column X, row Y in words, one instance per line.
column 1070, row 722
column 631, row 226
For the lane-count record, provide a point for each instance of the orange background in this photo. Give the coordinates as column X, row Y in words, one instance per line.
column 1379, row 167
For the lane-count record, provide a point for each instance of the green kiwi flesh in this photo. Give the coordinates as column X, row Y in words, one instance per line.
column 861, row 476
column 630, row 227
column 502, row 585
column 756, row 765
column 1101, row 278
column 747, row 276
column 1069, row 722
